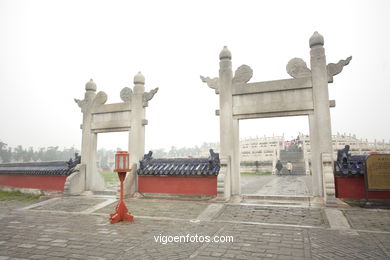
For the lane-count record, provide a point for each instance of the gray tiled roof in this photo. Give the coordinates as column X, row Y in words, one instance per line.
column 180, row 166
column 348, row 165
column 40, row 168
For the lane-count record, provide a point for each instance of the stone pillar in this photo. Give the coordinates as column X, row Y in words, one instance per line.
column 93, row 181
column 86, row 106
column 224, row 184
column 227, row 132
column 236, row 187
column 321, row 109
column 274, row 160
column 383, row 146
column 137, row 132
column 315, row 158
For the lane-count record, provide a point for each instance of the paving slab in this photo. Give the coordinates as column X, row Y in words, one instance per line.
column 258, row 232
column 368, row 219
column 285, row 186
column 181, row 209
column 252, row 183
column 275, row 215
column 329, row 244
column 70, row 204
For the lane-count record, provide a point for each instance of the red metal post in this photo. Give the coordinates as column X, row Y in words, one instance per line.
column 121, row 211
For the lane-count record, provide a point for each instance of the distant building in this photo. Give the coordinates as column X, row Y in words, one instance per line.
column 260, row 154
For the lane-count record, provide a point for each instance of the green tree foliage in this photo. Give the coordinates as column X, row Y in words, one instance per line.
column 20, row 154
column 5, row 154
column 105, row 157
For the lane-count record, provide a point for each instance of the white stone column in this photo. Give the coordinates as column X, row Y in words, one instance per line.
column 86, row 106
column 236, row 186
column 321, row 109
column 226, row 129
column 95, row 181
column 315, row 159
column 274, row 161
column 224, row 184
column 137, row 132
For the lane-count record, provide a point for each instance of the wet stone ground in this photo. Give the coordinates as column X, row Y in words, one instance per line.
column 71, row 204
column 274, row 215
column 160, row 208
column 78, row 228
column 369, row 219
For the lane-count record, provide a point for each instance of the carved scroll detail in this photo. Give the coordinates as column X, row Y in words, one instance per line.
column 297, row 68
column 243, row 74
column 336, row 68
column 148, row 96
column 126, row 94
column 211, row 83
column 99, row 100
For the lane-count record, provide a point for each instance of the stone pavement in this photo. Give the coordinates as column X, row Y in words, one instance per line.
column 252, row 183
column 284, row 185
column 78, row 228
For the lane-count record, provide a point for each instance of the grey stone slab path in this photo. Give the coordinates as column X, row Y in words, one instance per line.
column 160, row 208
column 252, row 183
column 54, row 230
column 284, row 186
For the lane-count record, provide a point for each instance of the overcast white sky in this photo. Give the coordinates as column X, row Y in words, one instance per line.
column 50, row 49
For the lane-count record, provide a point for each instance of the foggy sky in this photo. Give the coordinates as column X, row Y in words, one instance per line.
column 50, row 49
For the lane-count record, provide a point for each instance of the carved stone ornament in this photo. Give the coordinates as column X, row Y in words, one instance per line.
column 126, row 94
column 243, row 74
column 211, row 83
column 334, row 69
column 100, row 99
column 297, row 68
column 148, row 96
column 83, row 104
column 80, row 103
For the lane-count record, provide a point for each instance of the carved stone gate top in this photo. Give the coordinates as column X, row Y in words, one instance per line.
column 306, row 93
column 99, row 117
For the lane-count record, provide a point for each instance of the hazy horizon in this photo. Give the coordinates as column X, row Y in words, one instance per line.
column 50, row 49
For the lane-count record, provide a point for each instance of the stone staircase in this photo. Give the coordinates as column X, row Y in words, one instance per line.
column 295, row 156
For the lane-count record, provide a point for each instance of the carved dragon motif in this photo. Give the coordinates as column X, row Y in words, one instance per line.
column 148, row 96
column 336, row 68
column 83, row 104
column 80, row 103
column 297, row 68
column 211, row 83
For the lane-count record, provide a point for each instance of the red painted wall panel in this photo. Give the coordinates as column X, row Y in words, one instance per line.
column 178, row 185
column 42, row 182
column 354, row 188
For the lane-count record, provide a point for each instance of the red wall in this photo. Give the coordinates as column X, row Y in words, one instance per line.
column 42, row 182
column 178, row 185
column 354, row 188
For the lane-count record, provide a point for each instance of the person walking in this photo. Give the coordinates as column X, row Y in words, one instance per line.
column 289, row 167
column 279, row 167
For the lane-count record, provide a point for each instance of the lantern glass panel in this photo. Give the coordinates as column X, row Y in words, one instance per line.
column 121, row 161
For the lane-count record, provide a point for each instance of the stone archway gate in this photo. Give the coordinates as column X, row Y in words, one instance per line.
column 306, row 93
column 99, row 117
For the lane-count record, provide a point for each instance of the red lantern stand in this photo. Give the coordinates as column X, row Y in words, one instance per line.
column 121, row 167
